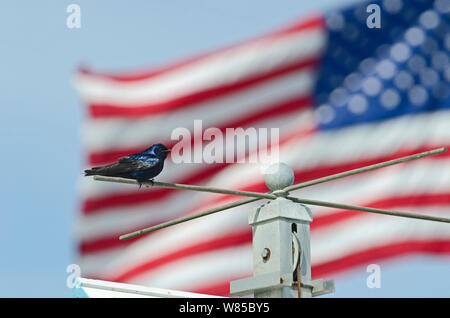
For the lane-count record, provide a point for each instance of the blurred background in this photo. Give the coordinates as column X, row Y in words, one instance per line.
column 43, row 125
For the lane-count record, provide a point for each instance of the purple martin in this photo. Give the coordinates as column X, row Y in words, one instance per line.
column 141, row 166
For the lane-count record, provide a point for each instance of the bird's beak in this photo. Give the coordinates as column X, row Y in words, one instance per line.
column 167, row 150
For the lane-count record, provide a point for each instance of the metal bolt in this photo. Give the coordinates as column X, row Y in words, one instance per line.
column 265, row 254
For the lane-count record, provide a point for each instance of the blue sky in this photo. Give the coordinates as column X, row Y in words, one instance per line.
column 41, row 117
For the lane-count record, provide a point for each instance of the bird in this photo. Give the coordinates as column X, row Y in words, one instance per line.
column 141, row 166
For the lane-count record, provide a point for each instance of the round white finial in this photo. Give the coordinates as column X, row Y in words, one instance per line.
column 278, row 176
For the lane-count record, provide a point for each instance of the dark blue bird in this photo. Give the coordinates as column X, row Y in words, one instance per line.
column 141, row 166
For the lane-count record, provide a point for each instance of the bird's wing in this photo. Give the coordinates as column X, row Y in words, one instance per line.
column 124, row 166
column 121, row 160
column 127, row 164
column 125, row 159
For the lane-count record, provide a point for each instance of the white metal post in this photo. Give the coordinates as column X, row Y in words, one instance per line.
column 281, row 246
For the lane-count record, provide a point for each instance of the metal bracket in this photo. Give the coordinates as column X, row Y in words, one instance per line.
column 271, row 281
column 260, row 283
column 321, row 287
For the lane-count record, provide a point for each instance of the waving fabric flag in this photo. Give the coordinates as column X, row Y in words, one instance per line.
column 343, row 96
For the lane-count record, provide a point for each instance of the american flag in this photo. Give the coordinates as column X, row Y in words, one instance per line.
column 343, row 96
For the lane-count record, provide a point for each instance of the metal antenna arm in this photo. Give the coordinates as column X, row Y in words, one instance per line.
column 364, row 169
column 367, row 209
column 298, row 200
column 255, row 196
column 186, row 218
column 188, row 187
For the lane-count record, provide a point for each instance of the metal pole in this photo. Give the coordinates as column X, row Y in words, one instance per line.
column 367, row 209
column 281, row 247
column 298, row 200
column 364, row 169
column 186, row 218
column 188, row 187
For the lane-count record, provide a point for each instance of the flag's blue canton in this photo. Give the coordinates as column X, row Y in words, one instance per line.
column 373, row 74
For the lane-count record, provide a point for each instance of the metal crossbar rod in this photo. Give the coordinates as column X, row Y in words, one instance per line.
column 364, row 169
column 186, row 218
column 257, row 195
column 188, row 187
column 298, row 200
column 367, row 209
column 287, row 189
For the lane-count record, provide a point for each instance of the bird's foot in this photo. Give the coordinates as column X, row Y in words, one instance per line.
column 146, row 181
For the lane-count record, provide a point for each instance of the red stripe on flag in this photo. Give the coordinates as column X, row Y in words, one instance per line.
column 380, row 253
column 194, row 99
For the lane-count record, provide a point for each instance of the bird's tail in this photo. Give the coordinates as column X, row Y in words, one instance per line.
column 91, row 172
